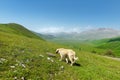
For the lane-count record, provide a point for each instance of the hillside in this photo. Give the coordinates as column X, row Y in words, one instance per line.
column 110, row 44
column 23, row 57
column 18, row 30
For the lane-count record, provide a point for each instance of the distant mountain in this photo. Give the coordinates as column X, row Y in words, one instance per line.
column 45, row 36
column 93, row 34
column 99, row 33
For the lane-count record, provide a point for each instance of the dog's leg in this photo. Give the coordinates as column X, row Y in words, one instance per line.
column 66, row 60
column 61, row 57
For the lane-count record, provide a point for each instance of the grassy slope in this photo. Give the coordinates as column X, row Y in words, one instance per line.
column 110, row 44
column 18, row 50
column 17, row 29
column 87, row 46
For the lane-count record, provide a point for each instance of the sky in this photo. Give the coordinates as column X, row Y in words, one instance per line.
column 50, row 16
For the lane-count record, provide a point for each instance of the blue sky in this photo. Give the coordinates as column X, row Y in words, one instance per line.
column 61, row 15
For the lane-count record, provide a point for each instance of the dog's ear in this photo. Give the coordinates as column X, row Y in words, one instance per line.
column 57, row 51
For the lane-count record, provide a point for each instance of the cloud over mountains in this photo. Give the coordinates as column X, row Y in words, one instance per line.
column 62, row 29
column 79, row 33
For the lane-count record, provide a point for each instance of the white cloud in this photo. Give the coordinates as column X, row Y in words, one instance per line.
column 51, row 30
column 62, row 29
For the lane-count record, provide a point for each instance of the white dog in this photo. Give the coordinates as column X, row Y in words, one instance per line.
column 67, row 54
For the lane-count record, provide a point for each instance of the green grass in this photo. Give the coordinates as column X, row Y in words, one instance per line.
column 109, row 44
column 82, row 46
column 17, row 29
column 28, row 55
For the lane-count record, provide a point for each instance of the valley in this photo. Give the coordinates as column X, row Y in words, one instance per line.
column 23, row 56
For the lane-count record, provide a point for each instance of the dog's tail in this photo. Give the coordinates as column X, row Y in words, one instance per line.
column 75, row 58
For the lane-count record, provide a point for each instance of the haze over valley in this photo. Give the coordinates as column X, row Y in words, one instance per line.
column 89, row 34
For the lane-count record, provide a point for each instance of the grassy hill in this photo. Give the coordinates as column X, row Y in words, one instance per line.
column 110, row 45
column 25, row 57
column 17, row 29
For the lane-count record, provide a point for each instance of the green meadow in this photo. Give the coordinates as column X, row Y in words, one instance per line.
column 23, row 56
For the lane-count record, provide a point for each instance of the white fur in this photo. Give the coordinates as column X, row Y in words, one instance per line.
column 67, row 54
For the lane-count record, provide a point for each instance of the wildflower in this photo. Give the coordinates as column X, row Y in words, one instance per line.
column 22, row 78
column 17, row 61
column 52, row 60
column 48, row 58
column 23, row 65
column 15, row 71
column 62, row 68
column 27, row 60
column 41, row 55
column 2, row 59
column 12, row 67
column 15, row 78
column 16, row 64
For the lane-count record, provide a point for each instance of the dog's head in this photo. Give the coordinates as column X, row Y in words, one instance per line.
column 57, row 51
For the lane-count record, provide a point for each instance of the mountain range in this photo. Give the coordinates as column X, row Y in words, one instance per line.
column 92, row 34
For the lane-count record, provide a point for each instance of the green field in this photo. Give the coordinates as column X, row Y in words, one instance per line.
column 23, row 55
column 111, row 44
